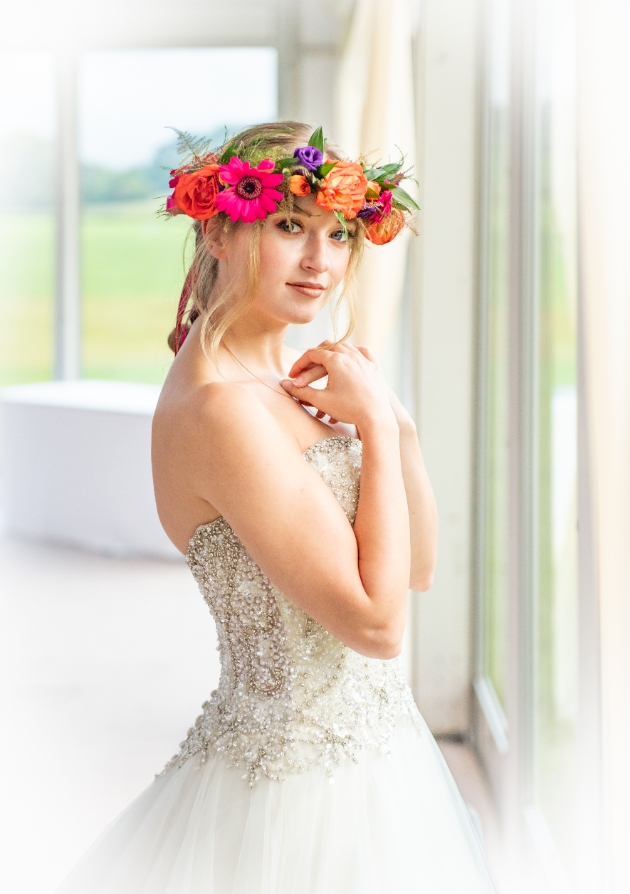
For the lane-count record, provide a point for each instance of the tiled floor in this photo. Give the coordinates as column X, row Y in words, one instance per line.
column 104, row 664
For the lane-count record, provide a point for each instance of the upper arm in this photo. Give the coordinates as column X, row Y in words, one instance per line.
column 289, row 521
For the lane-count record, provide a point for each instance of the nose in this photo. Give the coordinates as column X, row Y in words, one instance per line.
column 316, row 253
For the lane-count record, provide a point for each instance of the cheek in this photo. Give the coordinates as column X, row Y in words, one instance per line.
column 276, row 264
column 339, row 266
column 277, row 258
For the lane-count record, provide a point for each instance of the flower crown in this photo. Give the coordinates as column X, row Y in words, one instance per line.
column 238, row 182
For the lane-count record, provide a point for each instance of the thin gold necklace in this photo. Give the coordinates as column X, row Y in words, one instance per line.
column 262, row 381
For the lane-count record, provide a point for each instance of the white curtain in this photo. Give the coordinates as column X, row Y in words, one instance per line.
column 375, row 115
column 604, row 190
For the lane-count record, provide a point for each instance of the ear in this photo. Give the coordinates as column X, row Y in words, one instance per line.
column 215, row 238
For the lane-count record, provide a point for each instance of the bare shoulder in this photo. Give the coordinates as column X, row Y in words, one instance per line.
column 210, row 408
column 221, row 405
column 219, row 427
column 213, row 448
column 223, row 414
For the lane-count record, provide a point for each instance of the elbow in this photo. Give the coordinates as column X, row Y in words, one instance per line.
column 421, row 575
column 391, row 649
column 420, row 583
column 383, row 643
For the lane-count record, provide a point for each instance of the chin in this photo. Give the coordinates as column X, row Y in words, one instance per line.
column 301, row 314
column 305, row 315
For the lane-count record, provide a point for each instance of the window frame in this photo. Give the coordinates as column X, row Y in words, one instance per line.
column 506, row 739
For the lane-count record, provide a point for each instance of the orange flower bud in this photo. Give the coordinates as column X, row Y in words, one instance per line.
column 388, row 229
column 299, row 185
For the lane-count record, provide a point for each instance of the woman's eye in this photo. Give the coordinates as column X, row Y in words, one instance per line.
column 289, row 226
column 341, row 235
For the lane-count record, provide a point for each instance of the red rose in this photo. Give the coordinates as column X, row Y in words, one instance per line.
column 195, row 193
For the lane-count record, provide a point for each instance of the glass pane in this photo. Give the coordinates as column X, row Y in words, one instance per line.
column 133, row 261
column 556, row 665
column 26, row 217
column 496, row 385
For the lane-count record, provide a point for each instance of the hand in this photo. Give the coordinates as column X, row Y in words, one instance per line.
column 316, row 371
column 356, row 391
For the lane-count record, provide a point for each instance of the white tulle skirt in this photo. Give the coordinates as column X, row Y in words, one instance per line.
column 389, row 823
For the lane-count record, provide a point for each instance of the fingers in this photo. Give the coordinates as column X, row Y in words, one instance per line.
column 309, row 397
column 308, row 376
column 322, row 356
column 320, row 413
column 313, row 357
column 305, row 394
column 368, row 353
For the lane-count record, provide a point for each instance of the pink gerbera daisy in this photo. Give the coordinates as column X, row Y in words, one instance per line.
column 250, row 195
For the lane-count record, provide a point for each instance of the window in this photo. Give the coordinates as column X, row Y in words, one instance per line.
column 494, row 361
column 26, row 217
column 132, row 261
column 555, row 615
column 527, row 535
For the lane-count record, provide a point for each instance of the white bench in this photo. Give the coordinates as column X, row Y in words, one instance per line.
column 77, row 466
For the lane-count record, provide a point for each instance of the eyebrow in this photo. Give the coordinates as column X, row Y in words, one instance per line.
column 306, row 213
column 351, row 225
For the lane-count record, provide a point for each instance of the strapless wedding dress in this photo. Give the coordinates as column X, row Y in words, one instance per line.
column 310, row 769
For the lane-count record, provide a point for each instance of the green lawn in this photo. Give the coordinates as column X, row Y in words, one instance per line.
column 132, row 273
column 26, row 283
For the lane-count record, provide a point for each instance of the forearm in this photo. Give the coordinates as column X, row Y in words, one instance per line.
column 423, row 523
column 382, row 527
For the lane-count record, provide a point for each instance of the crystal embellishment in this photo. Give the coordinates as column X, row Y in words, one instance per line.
column 290, row 695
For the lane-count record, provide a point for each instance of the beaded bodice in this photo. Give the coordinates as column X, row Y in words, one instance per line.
column 290, row 695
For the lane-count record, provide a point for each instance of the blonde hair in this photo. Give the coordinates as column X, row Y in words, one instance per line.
column 219, row 312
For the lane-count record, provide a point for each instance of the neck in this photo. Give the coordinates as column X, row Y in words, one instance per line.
column 258, row 344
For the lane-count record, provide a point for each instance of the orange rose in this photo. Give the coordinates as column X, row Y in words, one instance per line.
column 195, row 193
column 388, row 229
column 299, row 185
column 343, row 189
column 374, row 187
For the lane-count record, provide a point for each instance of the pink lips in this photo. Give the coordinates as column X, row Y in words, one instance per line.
column 310, row 289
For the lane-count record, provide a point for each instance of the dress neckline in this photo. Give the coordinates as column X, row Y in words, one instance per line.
column 305, row 453
column 326, row 440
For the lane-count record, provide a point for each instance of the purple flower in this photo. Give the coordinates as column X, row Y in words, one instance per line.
column 309, row 157
column 368, row 210
column 377, row 209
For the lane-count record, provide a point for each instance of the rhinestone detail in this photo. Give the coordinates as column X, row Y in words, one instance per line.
column 290, row 695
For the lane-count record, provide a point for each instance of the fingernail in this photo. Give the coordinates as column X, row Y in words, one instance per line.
column 286, row 383
column 298, row 382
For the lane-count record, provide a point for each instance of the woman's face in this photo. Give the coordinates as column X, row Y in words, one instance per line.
column 303, row 257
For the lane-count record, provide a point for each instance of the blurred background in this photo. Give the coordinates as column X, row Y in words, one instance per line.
column 504, row 325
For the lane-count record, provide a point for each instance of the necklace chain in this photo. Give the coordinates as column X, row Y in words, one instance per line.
column 262, row 381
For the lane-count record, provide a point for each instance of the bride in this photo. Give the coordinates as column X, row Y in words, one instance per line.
column 305, row 515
